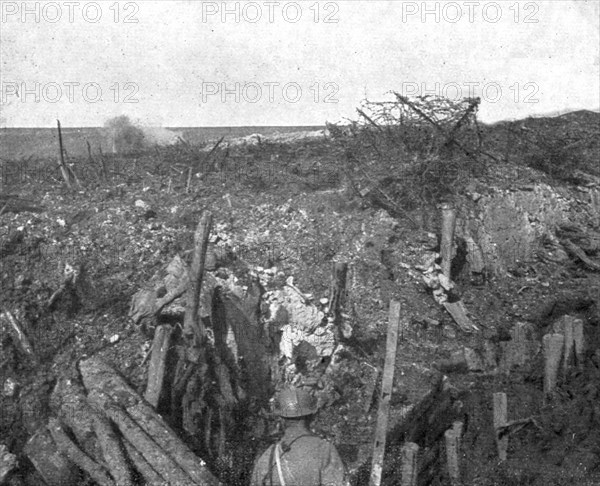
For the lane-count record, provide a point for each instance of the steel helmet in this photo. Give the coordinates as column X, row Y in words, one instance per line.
column 295, row 402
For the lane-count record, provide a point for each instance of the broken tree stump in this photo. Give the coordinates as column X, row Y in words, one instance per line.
column 447, row 241
column 500, row 420
column 193, row 328
column 553, row 346
column 387, row 383
column 158, row 361
column 139, row 423
column 409, row 464
column 96, row 471
column 452, row 439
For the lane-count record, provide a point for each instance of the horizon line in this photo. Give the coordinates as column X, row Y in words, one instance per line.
column 552, row 114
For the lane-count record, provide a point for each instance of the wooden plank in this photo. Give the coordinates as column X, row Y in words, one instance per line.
column 386, row 393
column 459, row 313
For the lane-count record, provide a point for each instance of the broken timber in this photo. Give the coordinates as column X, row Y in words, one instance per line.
column 142, row 427
column 459, row 314
column 193, row 328
column 386, row 392
column 158, row 361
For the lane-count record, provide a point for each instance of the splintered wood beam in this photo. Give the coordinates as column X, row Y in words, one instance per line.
column 96, row 471
column 192, row 326
column 386, row 393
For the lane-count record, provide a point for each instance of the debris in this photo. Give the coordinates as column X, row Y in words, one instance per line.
column 459, row 314
column 10, row 387
column 8, row 463
column 577, row 252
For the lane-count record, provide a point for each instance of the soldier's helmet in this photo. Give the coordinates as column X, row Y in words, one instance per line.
column 295, row 402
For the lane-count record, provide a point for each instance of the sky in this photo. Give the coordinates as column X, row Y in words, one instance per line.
column 196, row 63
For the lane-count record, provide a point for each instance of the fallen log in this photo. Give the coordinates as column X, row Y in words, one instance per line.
column 97, row 472
column 158, row 361
column 105, row 387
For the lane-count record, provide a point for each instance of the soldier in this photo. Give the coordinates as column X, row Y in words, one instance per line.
column 300, row 458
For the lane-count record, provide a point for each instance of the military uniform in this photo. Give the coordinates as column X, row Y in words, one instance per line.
column 300, row 458
column 305, row 459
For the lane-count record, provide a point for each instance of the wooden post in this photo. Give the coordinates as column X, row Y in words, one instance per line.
column 452, row 438
column 189, row 180
column 447, row 243
column 553, row 346
column 192, row 325
column 61, row 160
column 158, row 362
column 578, row 339
column 500, row 420
column 337, row 293
column 386, row 393
column 568, row 348
column 408, row 464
